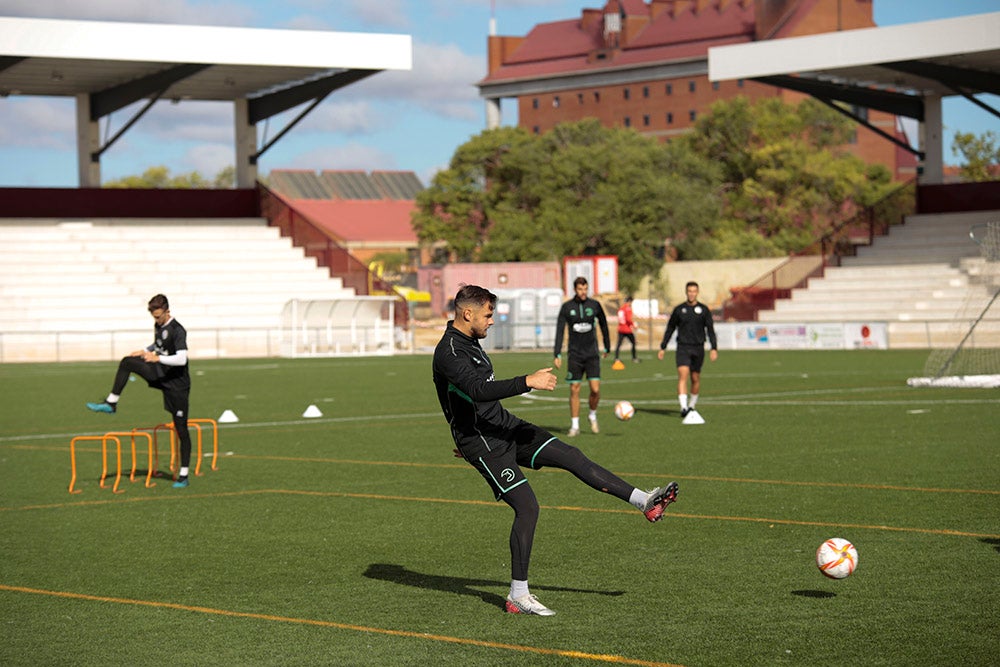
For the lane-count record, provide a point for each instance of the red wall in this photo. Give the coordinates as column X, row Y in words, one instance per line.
column 121, row 203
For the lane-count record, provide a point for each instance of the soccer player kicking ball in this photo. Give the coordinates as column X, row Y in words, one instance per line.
column 498, row 444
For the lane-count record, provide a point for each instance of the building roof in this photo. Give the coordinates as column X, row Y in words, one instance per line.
column 356, row 185
column 570, row 47
column 371, row 222
column 356, row 207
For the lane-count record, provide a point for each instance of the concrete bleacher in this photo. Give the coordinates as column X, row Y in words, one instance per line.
column 916, row 279
column 97, row 275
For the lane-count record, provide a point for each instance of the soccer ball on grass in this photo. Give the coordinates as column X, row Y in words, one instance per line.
column 836, row 558
column 624, row 410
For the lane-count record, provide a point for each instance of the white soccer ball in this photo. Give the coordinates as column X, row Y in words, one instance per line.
column 836, row 558
column 624, row 410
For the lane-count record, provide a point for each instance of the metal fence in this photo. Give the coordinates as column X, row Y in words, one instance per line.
column 231, row 343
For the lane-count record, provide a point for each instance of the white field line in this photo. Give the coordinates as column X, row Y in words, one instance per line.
column 534, row 402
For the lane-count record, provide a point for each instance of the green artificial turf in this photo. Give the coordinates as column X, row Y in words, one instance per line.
column 358, row 539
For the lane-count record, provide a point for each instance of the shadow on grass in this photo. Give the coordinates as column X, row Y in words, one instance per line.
column 815, row 594
column 398, row 574
column 660, row 411
column 995, row 543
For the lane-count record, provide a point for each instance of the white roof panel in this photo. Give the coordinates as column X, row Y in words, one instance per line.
column 969, row 42
column 59, row 57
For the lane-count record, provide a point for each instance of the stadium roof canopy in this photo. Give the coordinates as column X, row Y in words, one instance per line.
column 108, row 66
column 905, row 70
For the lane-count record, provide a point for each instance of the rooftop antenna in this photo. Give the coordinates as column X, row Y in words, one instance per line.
column 493, row 18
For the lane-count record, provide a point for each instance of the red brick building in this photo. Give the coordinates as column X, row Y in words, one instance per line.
column 644, row 65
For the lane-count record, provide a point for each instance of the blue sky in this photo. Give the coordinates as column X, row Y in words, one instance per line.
column 394, row 120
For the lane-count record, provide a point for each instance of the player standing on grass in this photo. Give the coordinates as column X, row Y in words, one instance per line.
column 583, row 315
column 626, row 329
column 498, row 444
column 692, row 320
column 164, row 366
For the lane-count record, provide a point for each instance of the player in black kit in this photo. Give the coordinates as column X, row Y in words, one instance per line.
column 692, row 320
column 498, row 444
column 164, row 366
column 582, row 315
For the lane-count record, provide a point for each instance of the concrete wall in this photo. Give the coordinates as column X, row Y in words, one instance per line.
column 714, row 278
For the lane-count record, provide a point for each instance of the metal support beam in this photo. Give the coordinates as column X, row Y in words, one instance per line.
column 979, row 103
column 96, row 155
column 949, row 75
column 287, row 128
column 6, row 62
column 107, row 101
column 898, row 104
column 315, row 91
column 274, row 103
column 877, row 130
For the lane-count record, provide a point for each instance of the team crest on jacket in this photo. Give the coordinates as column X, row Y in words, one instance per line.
column 164, row 334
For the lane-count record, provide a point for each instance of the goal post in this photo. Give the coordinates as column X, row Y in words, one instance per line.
column 969, row 356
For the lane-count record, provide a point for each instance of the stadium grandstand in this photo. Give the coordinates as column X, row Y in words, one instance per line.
column 77, row 265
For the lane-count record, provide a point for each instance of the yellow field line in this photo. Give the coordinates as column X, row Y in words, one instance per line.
column 671, row 514
column 596, row 657
column 489, row 503
column 697, row 478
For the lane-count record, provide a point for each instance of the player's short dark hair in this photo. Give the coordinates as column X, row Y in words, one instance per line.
column 157, row 302
column 691, row 283
column 580, row 281
column 473, row 295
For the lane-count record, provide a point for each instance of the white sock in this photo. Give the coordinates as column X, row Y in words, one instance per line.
column 518, row 589
column 638, row 498
column 183, row 472
column 592, row 416
column 574, row 422
column 683, row 398
column 112, row 398
column 694, row 401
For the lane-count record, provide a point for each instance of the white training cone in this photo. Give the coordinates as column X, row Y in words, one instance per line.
column 312, row 411
column 228, row 417
column 693, row 418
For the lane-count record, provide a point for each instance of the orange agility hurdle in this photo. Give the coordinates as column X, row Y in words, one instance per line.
column 215, row 442
column 104, row 460
column 133, row 434
column 156, row 445
column 175, row 448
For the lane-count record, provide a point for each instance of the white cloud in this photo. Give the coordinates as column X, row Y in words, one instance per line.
column 209, row 159
column 38, row 122
column 349, row 156
column 356, row 117
column 304, row 22
column 186, row 121
column 220, row 12
column 442, row 81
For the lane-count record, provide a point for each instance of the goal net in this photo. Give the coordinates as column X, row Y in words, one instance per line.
column 969, row 355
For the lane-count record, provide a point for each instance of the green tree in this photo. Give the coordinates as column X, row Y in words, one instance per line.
column 159, row 177
column 786, row 177
column 981, row 154
column 455, row 208
column 579, row 189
